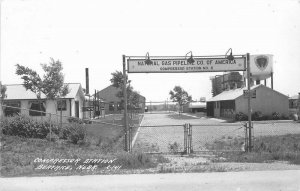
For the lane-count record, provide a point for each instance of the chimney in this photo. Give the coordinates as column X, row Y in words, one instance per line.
column 87, row 81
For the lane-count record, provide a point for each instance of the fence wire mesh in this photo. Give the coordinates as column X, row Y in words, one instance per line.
column 161, row 132
column 106, row 131
column 165, row 133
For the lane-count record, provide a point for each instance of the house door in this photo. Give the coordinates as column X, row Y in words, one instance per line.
column 77, row 109
column 210, row 109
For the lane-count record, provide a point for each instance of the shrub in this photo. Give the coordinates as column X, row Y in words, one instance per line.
column 74, row 132
column 284, row 117
column 241, row 117
column 173, row 148
column 134, row 160
column 257, row 116
column 75, row 120
column 266, row 117
column 24, row 126
column 275, row 116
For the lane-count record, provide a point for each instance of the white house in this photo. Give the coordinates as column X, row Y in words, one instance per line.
column 17, row 96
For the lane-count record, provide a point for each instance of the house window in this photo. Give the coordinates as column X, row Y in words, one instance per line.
column 120, row 106
column 111, row 106
column 37, row 106
column 61, row 105
column 13, row 108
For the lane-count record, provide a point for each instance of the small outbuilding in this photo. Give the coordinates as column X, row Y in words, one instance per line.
column 263, row 99
column 194, row 107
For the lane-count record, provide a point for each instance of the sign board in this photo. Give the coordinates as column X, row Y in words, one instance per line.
column 177, row 65
column 252, row 92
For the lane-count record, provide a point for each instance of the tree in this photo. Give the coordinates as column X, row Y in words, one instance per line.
column 133, row 97
column 52, row 84
column 180, row 96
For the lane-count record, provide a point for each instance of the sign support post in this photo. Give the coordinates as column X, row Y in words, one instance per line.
column 249, row 104
column 125, row 105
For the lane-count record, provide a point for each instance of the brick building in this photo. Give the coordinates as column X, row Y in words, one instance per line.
column 113, row 104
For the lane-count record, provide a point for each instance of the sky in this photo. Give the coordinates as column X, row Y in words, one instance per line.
column 95, row 34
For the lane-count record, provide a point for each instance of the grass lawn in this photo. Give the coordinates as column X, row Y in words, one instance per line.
column 103, row 142
column 24, row 157
column 268, row 149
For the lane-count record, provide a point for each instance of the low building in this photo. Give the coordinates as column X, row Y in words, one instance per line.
column 194, row 107
column 263, row 99
column 113, row 104
column 23, row 101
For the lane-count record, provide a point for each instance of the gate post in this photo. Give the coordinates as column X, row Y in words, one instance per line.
column 249, row 104
column 125, row 105
column 187, row 139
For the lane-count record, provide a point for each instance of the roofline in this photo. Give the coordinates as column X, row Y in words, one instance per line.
column 257, row 86
column 35, row 99
column 116, row 88
column 23, row 84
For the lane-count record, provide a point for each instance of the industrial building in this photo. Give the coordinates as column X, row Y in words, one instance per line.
column 263, row 99
column 113, row 104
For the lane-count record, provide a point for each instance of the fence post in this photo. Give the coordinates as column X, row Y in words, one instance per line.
column 191, row 136
column 50, row 128
column 246, row 138
column 125, row 103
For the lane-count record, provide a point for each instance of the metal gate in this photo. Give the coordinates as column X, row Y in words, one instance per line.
column 191, row 138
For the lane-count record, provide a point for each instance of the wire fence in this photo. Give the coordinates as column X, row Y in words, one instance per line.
column 162, row 132
column 157, row 134
column 106, row 128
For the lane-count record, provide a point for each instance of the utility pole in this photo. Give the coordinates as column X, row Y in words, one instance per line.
column 125, row 105
column 249, row 103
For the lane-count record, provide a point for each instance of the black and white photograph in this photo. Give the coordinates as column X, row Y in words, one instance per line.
column 150, row 95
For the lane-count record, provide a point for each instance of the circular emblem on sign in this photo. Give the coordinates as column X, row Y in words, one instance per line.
column 261, row 62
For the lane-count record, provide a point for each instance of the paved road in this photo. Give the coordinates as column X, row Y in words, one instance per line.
column 239, row 181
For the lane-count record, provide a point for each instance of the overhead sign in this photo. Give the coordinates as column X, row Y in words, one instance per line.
column 182, row 65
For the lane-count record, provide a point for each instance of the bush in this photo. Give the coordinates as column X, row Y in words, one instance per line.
column 241, row 117
column 266, row 117
column 24, row 126
column 173, row 148
column 275, row 116
column 284, row 117
column 257, row 116
column 74, row 132
column 134, row 160
column 78, row 120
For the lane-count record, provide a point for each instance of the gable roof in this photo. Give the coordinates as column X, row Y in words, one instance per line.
column 233, row 94
column 112, row 89
column 19, row 92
